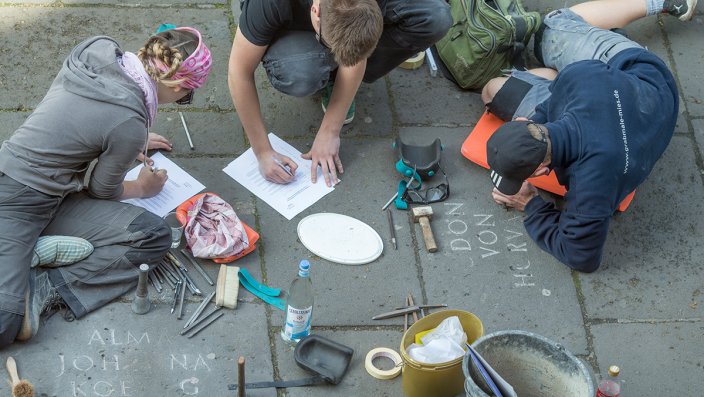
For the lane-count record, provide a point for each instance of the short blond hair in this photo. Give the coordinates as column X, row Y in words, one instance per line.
column 351, row 28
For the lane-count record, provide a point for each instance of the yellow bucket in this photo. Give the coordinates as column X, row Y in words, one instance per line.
column 442, row 379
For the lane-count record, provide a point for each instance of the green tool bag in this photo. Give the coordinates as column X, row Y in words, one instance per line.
column 487, row 37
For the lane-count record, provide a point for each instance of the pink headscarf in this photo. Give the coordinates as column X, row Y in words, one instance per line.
column 194, row 69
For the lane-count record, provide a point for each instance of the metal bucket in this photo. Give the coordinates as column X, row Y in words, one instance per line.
column 534, row 365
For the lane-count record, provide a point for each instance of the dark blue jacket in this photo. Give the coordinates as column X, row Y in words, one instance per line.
column 609, row 124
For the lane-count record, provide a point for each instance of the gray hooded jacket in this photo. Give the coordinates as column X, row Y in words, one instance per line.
column 93, row 111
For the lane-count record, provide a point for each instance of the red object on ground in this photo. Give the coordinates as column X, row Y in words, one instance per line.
column 475, row 149
column 252, row 235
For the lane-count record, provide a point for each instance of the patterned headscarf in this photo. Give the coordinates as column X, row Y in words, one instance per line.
column 194, row 69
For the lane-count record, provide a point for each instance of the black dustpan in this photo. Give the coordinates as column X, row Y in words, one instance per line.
column 424, row 159
column 328, row 359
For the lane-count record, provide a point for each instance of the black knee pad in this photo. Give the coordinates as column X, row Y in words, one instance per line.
column 508, row 98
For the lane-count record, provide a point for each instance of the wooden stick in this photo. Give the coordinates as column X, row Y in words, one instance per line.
column 406, row 315
column 241, row 377
column 411, row 303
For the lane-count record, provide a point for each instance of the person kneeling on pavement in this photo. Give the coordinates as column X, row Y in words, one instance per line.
column 600, row 115
column 98, row 109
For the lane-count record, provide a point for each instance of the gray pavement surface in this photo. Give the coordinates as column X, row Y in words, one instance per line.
column 642, row 310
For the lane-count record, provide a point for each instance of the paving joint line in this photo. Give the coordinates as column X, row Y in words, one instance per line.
column 601, row 321
column 589, row 338
column 392, row 102
column 267, row 308
column 686, row 113
column 417, row 259
column 438, row 125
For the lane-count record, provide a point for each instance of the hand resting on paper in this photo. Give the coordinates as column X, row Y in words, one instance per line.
column 325, row 152
column 154, row 142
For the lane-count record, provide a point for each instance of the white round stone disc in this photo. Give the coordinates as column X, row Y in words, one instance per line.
column 340, row 238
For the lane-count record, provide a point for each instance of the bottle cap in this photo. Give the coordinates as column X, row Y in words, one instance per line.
column 304, row 265
column 613, row 371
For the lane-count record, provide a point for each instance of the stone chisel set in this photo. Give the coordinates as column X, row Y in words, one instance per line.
column 171, row 272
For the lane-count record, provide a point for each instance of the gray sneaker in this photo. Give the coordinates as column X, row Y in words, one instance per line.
column 41, row 301
column 683, row 9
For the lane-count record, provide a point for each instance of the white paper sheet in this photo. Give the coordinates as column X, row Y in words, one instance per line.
column 290, row 199
column 179, row 187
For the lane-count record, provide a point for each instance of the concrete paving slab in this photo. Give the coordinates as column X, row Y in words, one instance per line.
column 289, row 116
column 286, row 115
column 687, row 49
column 368, row 289
column 212, row 133
column 486, row 263
column 10, row 121
column 114, row 352
column 357, row 382
column 655, row 359
column 653, row 260
column 699, row 131
column 47, row 34
column 422, row 99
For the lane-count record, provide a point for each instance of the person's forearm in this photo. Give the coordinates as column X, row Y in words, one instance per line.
column 575, row 240
column 346, row 85
column 244, row 94
column 131, row 190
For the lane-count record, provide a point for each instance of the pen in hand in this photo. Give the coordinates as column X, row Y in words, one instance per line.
column 282, row 165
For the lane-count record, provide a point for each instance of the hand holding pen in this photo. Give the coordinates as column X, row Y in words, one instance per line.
column 278, row 168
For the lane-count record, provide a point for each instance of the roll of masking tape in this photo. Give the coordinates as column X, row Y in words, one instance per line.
column 414, row 62
column 380, row 373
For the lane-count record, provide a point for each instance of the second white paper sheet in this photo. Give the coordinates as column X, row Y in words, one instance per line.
column 179, row 187
column 290, row 199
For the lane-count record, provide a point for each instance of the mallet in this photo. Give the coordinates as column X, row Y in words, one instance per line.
column 423, row 216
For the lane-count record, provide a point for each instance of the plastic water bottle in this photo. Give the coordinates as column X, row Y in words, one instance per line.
column 610, row 387
column 299, row 306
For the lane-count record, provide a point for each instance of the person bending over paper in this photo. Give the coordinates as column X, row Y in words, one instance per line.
column 99, row 107
column 600, row 116
column 330, row 45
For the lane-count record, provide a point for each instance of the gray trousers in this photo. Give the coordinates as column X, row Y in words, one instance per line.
column 297, row 65
column 123, row 236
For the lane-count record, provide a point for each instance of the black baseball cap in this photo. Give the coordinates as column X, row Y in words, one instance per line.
column 514, row 154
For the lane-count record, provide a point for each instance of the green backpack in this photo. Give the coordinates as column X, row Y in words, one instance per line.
column 486, row 38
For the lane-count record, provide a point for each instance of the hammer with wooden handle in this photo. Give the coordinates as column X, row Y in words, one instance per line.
column 423, row 216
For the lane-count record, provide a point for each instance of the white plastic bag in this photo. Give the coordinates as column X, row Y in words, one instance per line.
column 444, row 343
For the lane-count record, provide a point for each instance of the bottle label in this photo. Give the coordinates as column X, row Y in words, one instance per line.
column 298, row 322
column 607, row 393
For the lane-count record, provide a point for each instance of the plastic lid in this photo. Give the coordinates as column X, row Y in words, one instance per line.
column 340, row 238
column 613, row 371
